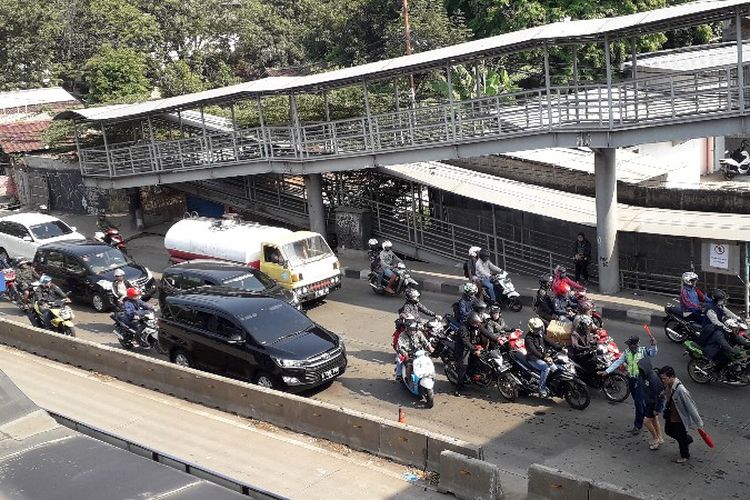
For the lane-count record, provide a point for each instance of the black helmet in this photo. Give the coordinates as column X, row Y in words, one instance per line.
column 474, row 319
column 484, row 254
column 562, row 271
column 633, row 340
column 719, row 295
column 545, row 281
column 479, row 306
column 494, row 308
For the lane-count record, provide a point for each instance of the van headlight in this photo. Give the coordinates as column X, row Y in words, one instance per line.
column 289, row 363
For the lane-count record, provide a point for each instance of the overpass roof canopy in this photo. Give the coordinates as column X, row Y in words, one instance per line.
column 695, row 58
column 559, row 33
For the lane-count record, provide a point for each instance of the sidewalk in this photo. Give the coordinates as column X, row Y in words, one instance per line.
column 265, row 456
column 624, row 305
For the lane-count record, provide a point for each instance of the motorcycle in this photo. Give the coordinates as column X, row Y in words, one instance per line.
column 405, row 281
column 563, row 382
column 677, row 328
column 603, row 353
column 422, row 380
column 700, row 367
column 11, row 292
column 129, row 338
column 61, row 317
column 110, row 235
column 737, row 163
column 505, row 292
column 437, row 332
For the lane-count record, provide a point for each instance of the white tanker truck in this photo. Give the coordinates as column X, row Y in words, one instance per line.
column 301, row 261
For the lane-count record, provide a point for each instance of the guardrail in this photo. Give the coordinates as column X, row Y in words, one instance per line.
column 656, row 100
column 167, row 459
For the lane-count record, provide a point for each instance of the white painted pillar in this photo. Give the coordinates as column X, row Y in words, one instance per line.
column 606, row 220
column 314, row 189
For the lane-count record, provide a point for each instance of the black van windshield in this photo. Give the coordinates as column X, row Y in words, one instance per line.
column 273, row 321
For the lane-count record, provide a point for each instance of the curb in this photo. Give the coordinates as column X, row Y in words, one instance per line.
column 636, row 316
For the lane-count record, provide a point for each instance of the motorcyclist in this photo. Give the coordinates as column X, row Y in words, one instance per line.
column 496, row 324
column 25, row 276
column 413, row 306
column 484, row 272
column 544, row 304
column 713, row 338
column 538, row 349
column 410, row 341
column 467, row 343
column 388, row 261
column 470, row 263
column 691, row 297
column 465, row 302
column 120, row 287
column 133, row 308
column 582, row 335
column 561, row 277
column 373, row 254
column 45, row 294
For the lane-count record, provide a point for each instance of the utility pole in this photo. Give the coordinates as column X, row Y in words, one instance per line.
column 407, row 45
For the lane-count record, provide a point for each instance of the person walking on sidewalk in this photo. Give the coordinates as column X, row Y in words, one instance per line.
column 680, row 414
column 630, row 359
column 582, row 256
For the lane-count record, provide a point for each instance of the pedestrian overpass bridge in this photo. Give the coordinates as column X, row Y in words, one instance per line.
column 619, row 110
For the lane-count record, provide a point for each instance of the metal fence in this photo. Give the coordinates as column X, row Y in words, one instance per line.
column 650, row 101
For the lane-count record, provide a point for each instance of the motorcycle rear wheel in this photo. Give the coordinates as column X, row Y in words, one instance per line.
column 507, row 387
column 694, row 368
column 126, row 344
column 616, row 387
column 13, row 294
column 514, row 304
column 451, row 372
column 69, row 331
column 728, row 175
column 429, row 397
column 577, row 395
column 675, row 331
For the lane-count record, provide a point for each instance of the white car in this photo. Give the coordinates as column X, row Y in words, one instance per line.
column 22, row 234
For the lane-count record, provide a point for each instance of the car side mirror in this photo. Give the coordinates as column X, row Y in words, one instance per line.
column 27, row 238
column 235, row 339
column 73, row 228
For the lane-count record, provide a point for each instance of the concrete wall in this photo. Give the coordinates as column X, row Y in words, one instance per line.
column 402, row 443
column 546, row 483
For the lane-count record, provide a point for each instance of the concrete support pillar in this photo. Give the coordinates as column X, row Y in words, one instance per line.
column 314, row 188
column 606, row 220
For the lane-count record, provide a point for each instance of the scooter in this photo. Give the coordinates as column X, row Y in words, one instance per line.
column 677, row 328
column 505, row 292
column 62, row 317
column 422, row 380
column 110, row 235
column 130, row 338
column 11, row 292
column 404, row 282
column 737, row 163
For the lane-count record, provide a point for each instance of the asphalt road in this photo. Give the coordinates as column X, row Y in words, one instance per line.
column 592, row 443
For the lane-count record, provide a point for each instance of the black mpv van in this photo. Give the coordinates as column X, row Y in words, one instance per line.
column 259, row 339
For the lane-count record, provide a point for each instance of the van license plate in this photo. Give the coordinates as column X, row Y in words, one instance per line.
column 330, row 373
column 321, row 292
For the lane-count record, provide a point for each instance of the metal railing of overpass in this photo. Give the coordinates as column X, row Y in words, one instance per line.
column 581, row 113
column 637, row 103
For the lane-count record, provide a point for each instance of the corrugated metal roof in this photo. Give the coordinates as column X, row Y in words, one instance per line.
column 23, row 136
column 573, row 207
column 34, row 97
column 632, row 168
column 695, row 58
column 556, row 33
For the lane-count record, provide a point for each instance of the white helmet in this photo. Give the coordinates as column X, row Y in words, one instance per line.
column 474, row 251
column 387, row 244
column 535, row 324
column 372, row 243
column 688, row 277
column 119, row 273
column 470, row 289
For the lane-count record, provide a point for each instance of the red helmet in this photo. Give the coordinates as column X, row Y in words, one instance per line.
column 561, row 288
column 133, row 293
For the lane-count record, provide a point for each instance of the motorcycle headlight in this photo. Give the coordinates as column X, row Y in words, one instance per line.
column 65, row 314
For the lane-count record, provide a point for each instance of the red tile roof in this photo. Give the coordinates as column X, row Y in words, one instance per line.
column 23, row 136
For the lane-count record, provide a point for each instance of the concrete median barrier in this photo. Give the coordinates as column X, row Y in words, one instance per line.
column 355, row 429
column 469, row 478
column 547, row 483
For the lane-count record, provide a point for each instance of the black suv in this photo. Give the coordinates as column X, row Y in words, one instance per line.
column 86, row 270
column 258, row 339
column 215, row 277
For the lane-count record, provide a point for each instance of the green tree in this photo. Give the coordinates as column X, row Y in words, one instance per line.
column 177, row 78
column 117, row 75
